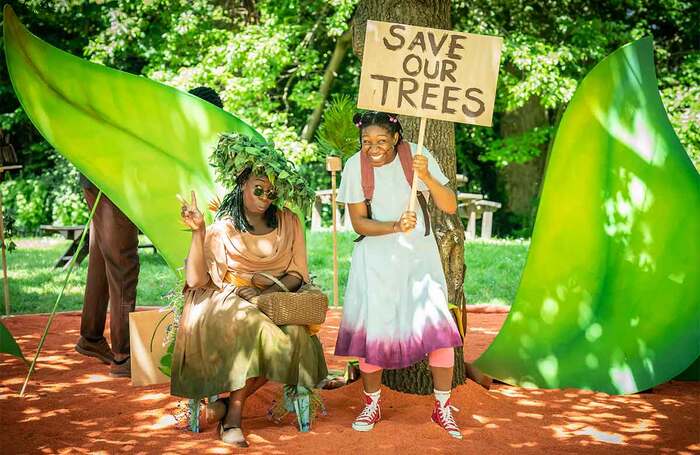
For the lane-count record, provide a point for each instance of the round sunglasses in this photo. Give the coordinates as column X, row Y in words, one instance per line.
column 271, row 194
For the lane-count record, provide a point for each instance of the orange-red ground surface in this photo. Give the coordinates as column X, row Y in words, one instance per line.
column 73, row 406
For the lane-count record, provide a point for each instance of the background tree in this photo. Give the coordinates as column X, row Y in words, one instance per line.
column 550, row 45
column 266, row 58
column 278, row 62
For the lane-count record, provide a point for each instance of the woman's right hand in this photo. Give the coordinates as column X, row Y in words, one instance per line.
column 190, row 214
column 406, row 223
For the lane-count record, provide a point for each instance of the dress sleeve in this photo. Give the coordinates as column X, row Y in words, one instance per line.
column 298, row 265
column 215, row 254
column 435, row 170
column 350, row 191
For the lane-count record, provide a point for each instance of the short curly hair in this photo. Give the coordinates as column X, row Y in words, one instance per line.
column 208, row 94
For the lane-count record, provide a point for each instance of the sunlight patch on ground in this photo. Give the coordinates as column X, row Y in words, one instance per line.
column 572, row 430
column 152, row 397
column 93, row 378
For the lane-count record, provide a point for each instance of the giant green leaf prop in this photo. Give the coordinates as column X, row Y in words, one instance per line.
column 139, row 141
column 610, row 295
column 8, row 345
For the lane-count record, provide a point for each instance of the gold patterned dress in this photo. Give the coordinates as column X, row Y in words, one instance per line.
column 222, row 339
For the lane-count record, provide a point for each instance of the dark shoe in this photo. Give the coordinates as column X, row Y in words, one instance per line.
column 121, row 370
column 98, row 349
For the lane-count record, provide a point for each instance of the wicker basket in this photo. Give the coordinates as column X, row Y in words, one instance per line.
column 306, row 306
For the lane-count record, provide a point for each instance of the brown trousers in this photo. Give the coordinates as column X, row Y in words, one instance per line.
column 113, row 273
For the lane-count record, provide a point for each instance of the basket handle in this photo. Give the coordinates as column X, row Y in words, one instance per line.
column 271, row 278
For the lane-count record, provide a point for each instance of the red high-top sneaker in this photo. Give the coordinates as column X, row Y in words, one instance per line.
column 443, row 417
column 369, row 415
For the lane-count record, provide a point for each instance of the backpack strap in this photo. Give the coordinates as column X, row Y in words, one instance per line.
column 403, row 150
column 406, row 159
column 367, row 175
column 424, row 208
column 368, row 203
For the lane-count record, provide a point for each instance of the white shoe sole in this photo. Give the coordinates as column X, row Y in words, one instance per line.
column 362, row 427
column 455, row 434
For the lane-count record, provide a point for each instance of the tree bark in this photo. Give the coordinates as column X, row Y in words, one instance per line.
column 522, row 181
column 440, row 140
column 341, row 48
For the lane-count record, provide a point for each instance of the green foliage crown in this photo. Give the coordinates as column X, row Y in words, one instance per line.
column 235, row 153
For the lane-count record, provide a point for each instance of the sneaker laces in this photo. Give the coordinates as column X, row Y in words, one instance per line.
column 446, row 416
column 367, row 412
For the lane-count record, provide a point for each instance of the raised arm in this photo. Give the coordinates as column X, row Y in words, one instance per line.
column 445, row 199
column 195, row 266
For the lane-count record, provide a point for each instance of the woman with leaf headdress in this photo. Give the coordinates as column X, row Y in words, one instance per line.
column 224, row 343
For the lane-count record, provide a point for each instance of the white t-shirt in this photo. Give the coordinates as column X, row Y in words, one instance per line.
column 391, row 190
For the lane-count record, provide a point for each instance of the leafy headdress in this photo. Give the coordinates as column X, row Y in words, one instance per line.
column 236, row 154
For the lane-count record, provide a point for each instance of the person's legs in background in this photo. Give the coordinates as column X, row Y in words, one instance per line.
column 113, row 270
column 119, row 241
column 92, row 323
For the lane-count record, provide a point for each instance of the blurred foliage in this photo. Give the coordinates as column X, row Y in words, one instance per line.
column 337, row 135
column 266, row 59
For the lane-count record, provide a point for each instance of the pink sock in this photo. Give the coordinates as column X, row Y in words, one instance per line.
column 368, row 368
column 441, row 358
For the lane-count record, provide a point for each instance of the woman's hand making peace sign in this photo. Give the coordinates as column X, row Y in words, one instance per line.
column 190, row 214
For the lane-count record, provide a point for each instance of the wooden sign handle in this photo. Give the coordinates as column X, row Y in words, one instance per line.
column 334, row 164
column 335, row 242
column 414, row 186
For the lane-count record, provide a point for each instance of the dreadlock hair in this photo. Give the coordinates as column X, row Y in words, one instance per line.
column 389, row 122
column 208, row 94
column 232, row 206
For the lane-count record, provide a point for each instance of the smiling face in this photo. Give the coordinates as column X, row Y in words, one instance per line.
column 378, row 143
column 258, row 194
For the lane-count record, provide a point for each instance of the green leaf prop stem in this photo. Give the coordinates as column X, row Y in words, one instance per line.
column 237, row 155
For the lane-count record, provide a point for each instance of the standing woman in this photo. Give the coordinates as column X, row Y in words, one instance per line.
column 395, row 310
column 224, row 343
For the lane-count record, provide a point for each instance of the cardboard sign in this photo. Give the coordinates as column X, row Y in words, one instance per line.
column 145, row 356
column 426, row 72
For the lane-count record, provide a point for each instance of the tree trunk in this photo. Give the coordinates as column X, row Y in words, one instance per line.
column 440, row 140
column 341, row 48
column 523, row 180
